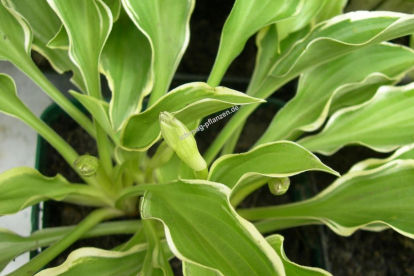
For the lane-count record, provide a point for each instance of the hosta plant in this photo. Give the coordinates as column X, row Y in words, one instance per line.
column 187, row 204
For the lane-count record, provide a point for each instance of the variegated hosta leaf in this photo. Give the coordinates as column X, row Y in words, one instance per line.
column 377, row 65
column 12, row 244
column 94, row 261
column 88, row 24
column 44, row 24
column 359, row 199
column 190, row 269
column 166, row 25
column 292, row 269
column 16, row 37
column 115, row 6
column 60, row 40
column 201, row 227
column 99, row 110
column 269, row 51
column 248, row 171
column 156, row 261
column 329, row 40
column 246, row 18
column 331, row 9
column 406, row 152
column 126, row 62
column 381, row 5
column 384, row 123
column 23, row 187
column 310, row 10
column 187, row 103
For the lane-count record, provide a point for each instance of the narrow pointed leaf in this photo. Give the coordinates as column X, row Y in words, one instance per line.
column 274, row 160
column 22, row 187
column 217, row 238
column 307, row 111
column 88, row 24
column 406, row 152
column 328, row 40
column 331, row 9
column 246, row 18
column 384, row 123
column 126, row 62
column 188, row 103
column 292, row 269
column 166, row 25
column 359, row 199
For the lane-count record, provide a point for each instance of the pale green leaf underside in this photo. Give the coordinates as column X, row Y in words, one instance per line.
column 278, row 159
column 246, row 18
column 126, row 62
column 293, row 269
column 382, row 196
column 202, row 227
column 166, row 25
column 384, row 123
column 22, row 187
column 377, row 65
column 187, row 103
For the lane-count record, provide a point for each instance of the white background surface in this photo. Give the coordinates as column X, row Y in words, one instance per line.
column 18, row 148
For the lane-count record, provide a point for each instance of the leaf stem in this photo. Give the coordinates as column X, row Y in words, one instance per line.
column 46, row 256
column 30, row 69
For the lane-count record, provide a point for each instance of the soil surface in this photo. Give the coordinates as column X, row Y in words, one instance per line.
column 364, row 253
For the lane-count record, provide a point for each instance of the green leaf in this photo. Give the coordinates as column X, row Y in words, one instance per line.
column 403, row 153
column 201, row 227
column 359, row 199
column 23, row 187
column 116, row 8
column 60, row 40
column 247, row 171
column 99, row 110
column 328, row 40
column 88, row 24
column 12, row 244
column 310, row 10
column 45, row 24
column 246, row 18
column 331, row 9
column 166, row 25
column 384, row 123
column 94, row 261
column 126, row 62
column 377, row 65
column 187, row 103
column 190, row 269
column 405, row 6
column 292, row 269
column 156, row 262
